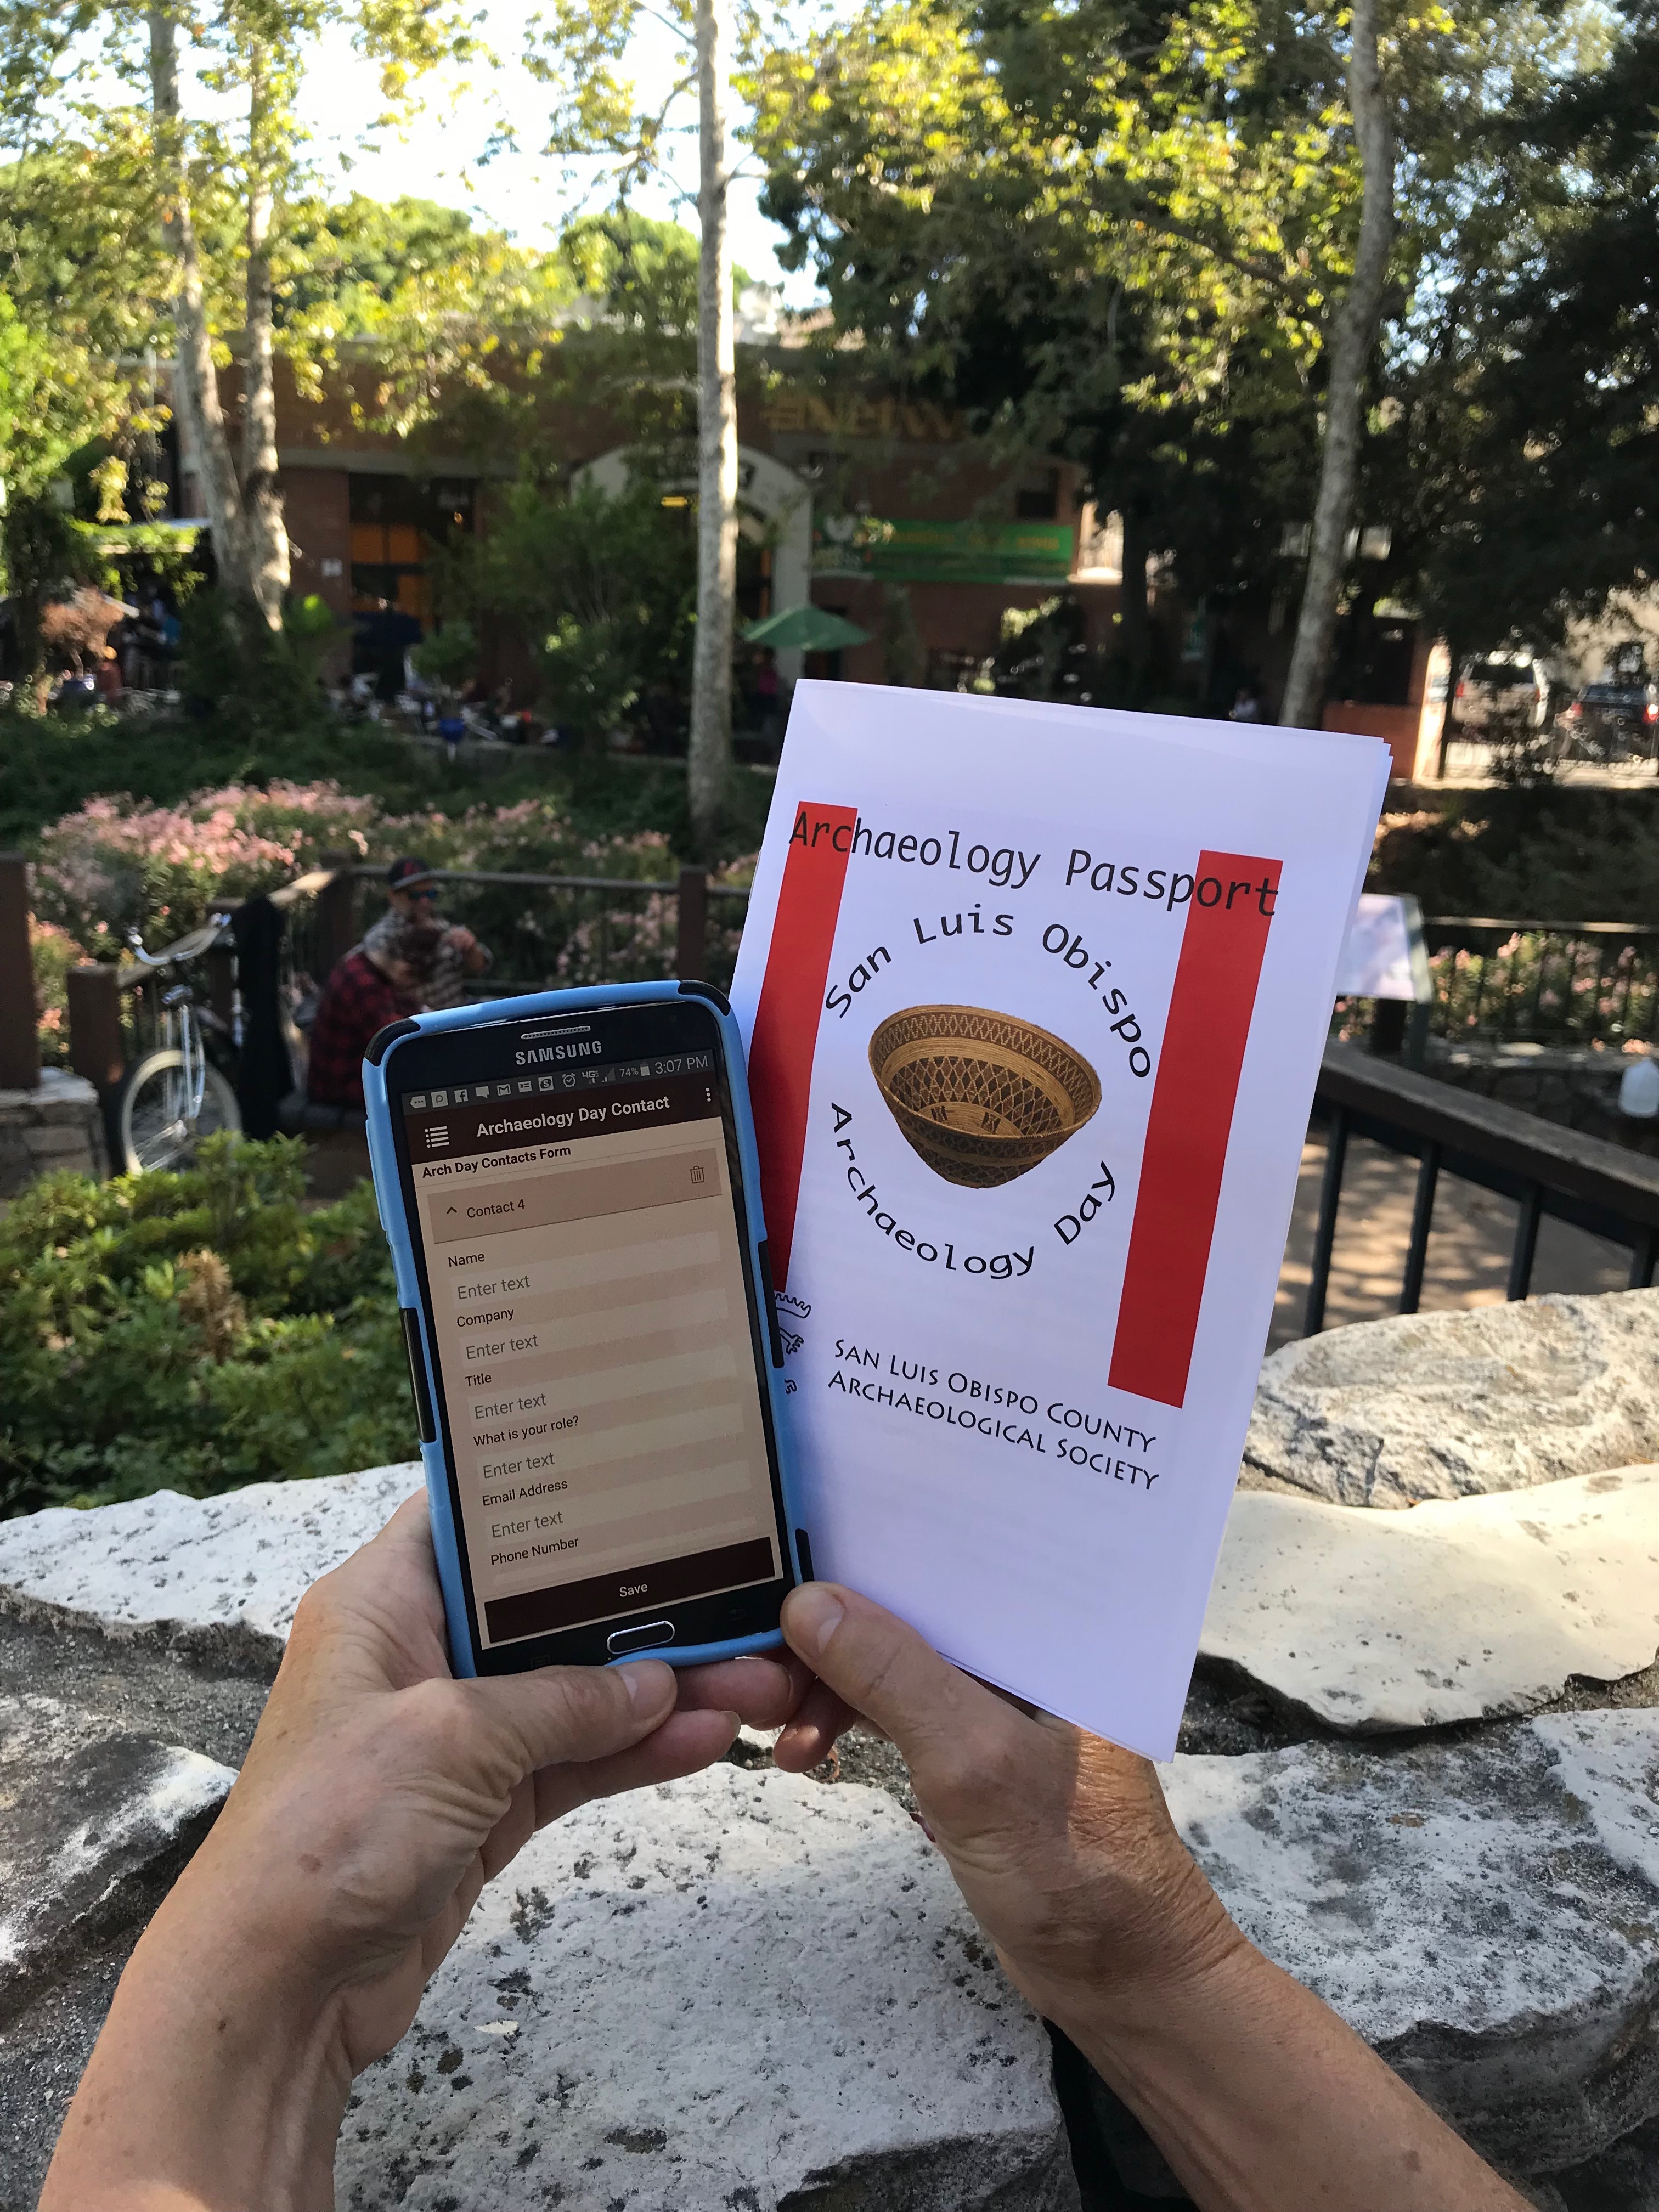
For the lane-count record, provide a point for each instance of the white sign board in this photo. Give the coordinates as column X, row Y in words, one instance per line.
column 1384, row 955
column 1034, row 999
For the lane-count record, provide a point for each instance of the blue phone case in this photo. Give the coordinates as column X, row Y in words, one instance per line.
column 388, row 1191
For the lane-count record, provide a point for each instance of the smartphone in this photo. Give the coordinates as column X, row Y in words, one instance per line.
column 569, row 1186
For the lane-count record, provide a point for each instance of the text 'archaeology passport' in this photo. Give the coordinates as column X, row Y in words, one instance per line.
column 1034, row 999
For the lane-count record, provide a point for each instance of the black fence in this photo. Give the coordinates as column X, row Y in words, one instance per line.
column 1596, row 1186
column 1542, row 983
column 545, row 931
column 551, row 933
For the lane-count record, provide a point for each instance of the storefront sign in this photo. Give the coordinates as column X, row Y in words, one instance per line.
column 943, row 552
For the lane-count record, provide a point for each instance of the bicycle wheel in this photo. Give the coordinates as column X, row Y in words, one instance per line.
column 149, row 1127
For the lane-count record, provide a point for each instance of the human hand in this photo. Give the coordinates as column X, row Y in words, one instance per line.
column 461, row 938
column 377, row 1798
column 397, row 1791
column 1060, row 1843
column 1256, row 2094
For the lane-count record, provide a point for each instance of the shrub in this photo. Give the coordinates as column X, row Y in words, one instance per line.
column 194, row 1332
column 53, row 952
column 1546, row 852
column 50, row 764
column 121, row 862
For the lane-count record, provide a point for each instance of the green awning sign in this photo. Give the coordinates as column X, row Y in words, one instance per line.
column 944, row 552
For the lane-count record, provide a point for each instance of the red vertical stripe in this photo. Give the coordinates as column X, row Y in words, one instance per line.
column 1187, row 1134
column 787, row 1019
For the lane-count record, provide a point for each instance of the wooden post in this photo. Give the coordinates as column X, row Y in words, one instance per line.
column 94, row 1022
column 692, row 950
column 20, row 1043
column 1388, row 1027
column 336, row 933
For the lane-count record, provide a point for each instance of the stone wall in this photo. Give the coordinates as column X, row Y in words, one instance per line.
column 1576, row 1086
column 59, row 1125
column 1420, row 1761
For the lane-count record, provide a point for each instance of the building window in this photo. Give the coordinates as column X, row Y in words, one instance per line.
column 396, row 522
column 1037, row 498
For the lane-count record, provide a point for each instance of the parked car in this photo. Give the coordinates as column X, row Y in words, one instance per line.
column 1616, row 720
column 1504, row 692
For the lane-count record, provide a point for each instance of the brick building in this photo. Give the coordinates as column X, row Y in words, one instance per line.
column 886, row 510
column 880, row 508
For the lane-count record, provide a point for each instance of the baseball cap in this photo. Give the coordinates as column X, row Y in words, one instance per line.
column 407, row 871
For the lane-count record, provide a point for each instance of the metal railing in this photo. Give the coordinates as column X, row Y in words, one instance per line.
column 1547, row 1170
column 1542, row 983
column 546, row 930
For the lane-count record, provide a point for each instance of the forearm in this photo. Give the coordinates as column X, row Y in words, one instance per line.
column 1259, row 2097
column 215, row 2086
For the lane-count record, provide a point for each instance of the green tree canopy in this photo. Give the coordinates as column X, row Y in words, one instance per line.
column 1527, row 435
column 1117, row 231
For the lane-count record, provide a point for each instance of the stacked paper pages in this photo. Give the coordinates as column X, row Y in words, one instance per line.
column 1034, row 999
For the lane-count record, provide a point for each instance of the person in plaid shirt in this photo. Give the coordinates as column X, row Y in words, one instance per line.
column 373, row 985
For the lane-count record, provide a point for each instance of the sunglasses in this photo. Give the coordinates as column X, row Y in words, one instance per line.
column 426, row 891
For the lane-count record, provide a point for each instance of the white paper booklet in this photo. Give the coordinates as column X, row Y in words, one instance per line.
column 1034, row 999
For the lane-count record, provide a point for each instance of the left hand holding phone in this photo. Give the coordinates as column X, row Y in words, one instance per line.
column 378, row 1796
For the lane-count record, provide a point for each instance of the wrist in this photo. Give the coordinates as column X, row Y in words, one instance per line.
column 1134, row 1958
column 220, row 2080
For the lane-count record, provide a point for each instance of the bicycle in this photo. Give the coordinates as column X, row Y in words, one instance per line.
column 177, row 1092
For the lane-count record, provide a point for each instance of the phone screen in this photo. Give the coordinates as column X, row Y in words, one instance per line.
column 580, row 1230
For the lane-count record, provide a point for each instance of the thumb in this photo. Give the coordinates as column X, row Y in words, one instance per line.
column 560, row 1715
column 882, row 1669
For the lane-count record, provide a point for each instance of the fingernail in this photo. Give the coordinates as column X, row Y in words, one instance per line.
column 815, row 1615
column 644, row 1681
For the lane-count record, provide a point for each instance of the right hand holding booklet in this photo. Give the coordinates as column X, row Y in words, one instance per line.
column 1034, row 999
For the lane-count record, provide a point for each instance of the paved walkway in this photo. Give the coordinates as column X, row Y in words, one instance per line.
column 1468, row 767
column 1469, row 1244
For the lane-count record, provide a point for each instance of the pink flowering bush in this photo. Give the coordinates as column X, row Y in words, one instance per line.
column 53, row 952
column 637, row 940
column 120, row 863
column 123, row 863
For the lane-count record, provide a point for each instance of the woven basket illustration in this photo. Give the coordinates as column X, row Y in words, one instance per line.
column 981, row 1097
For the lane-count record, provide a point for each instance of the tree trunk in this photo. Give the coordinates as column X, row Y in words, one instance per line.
column 267, row 532
column 196, row 386
column 717, row 439
column 1352, row 334
column 1450, row 719
column 1134, row 629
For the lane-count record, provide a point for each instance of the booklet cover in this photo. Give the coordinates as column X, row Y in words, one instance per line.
column 1035, row 998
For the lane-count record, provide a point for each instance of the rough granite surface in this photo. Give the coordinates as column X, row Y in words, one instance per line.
column 1390, row 1413
column 1481, row 1902
column 737, row 1990
column 1483, row 1912
column 1458, row 1609
column 219, row 1572
column 86, row 1814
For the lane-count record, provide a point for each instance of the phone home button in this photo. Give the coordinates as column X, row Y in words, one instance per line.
column 645, row 1638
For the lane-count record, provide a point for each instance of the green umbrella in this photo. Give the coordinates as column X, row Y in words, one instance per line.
column 805, row 629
